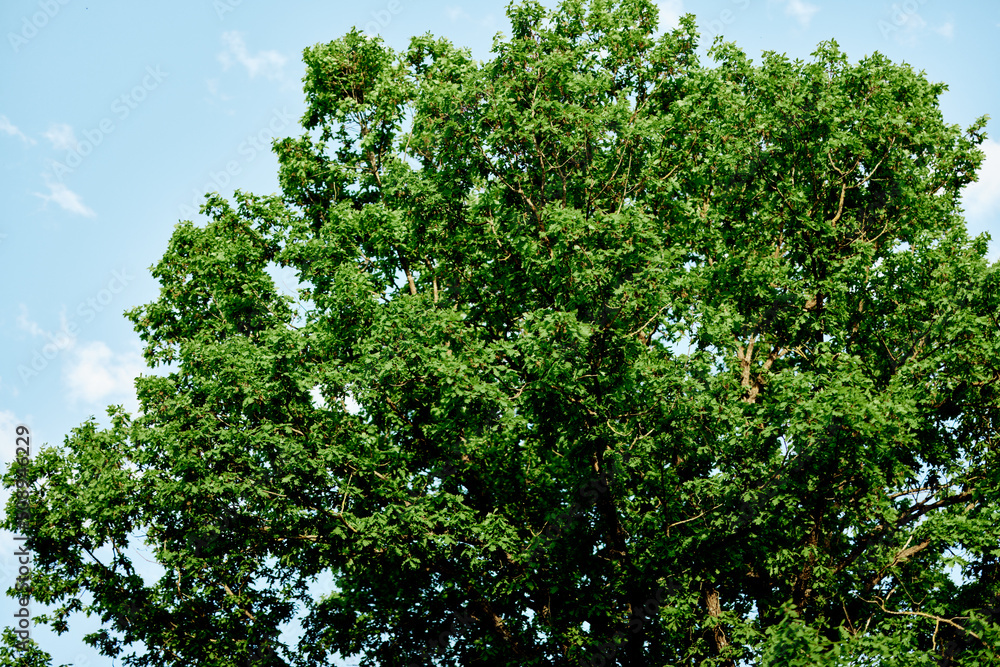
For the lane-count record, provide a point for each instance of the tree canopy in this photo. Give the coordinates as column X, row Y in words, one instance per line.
column 601, row 356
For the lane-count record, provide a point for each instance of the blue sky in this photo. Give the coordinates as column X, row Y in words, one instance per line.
column 116, row 117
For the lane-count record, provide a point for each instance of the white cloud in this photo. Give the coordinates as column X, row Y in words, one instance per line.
column 947, row 30
column 801, row 11
column 670, row 13
column 9, row 128
column 456, row 14
column 908, row 28
column 62, row 137
column 61, row 339
column 982, row 198
column 95, row 374
column 53, row 343
column 24, row 323
column 66, row 198
column 269, row 64
column 92, row 373
column 216, row 97
column 213, row 90
column 913, row 27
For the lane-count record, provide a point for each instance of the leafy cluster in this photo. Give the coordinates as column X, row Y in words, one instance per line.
column 600, row 356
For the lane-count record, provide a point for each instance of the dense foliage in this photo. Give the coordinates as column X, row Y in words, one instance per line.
column 601, row 356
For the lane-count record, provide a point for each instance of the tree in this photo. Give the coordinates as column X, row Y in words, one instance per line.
column 623, row 360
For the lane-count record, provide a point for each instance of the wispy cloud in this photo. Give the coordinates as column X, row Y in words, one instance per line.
column 946, row 30
column 95, row 374
column 909, row 28
column 62, row 339
column 66, row 198
column 51, row 345
column 61, row 136
column 269, row 64
column 216, row 97
column 8, row 127
column 213, row 90
column 912, row 26
column 92, row 373
column 25, row 323
column 801, row 11
column 456, row 14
